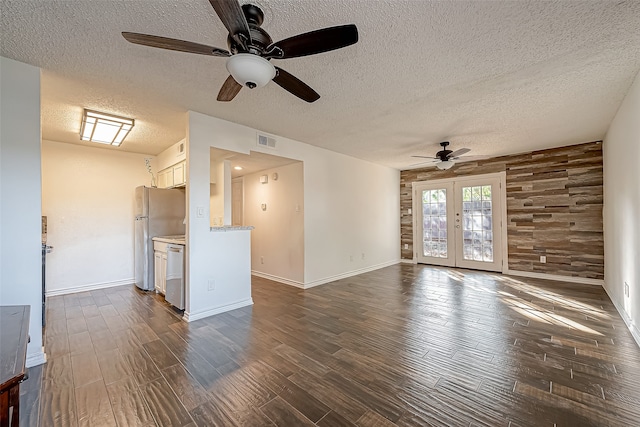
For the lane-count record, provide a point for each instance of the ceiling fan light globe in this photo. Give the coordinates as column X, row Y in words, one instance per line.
column 250, row 70
column 444, row 165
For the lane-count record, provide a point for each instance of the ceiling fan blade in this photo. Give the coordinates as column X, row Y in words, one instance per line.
column 426, row 157
column 294, row 85
column 174, row 44
column 317, row 41
column 231, row 15
column 459, row 152
column 424, row 163
column 229, row 90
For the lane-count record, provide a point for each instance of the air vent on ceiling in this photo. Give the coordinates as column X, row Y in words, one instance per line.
column 266, row 141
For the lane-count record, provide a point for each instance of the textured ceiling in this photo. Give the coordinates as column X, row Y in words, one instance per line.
column 497, row 77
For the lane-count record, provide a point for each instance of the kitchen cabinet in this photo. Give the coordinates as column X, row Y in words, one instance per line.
column 168, row 268
column 179, row 174
column 165, row 178
column 173, row 176
column 160, row 269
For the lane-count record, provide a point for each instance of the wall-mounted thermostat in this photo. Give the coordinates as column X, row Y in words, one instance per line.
column 264, row 179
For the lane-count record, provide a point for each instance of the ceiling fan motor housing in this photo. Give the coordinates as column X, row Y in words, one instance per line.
column 444, row 153
column 260, row 39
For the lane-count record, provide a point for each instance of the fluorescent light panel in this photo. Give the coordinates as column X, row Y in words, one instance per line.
column 105, row 128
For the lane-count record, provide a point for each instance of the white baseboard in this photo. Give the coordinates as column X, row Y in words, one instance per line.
column 89, row 287
column 35, row 359
column 635, row 332
column 278, row 279
column 626, row 318
column 350, row 274
column 190, row 317
column 556, row 277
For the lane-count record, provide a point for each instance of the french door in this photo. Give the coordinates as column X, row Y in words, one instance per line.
column 459, row 222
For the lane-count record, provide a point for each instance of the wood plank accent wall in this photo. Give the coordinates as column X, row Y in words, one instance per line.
column 554, row 208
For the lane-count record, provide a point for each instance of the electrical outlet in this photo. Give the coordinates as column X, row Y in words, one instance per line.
column 261, row 260
column 212, row 285
column 409, row 211
column 351, row 258
column 406, row 246
column 626, row 289
column 363, row 255
column 543, row 259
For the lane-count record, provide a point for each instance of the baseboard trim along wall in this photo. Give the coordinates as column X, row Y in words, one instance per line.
column 556, row 277
column 35, row 359
column 89, row 287
column 190, row 317
column 350, row 274
column 278, row 279
column 635, row 332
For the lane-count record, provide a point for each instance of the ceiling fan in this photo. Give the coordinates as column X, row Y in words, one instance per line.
column 445, row 159
column 251, row 48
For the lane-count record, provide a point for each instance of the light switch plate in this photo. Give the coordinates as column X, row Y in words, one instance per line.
column 200, row 212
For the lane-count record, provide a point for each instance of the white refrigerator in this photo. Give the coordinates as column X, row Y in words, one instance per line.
column 159, row 212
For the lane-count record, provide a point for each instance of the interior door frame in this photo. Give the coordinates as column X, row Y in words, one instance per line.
column 417, row 209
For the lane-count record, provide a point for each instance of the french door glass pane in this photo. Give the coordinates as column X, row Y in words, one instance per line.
column 434, row 215
column 477, row 244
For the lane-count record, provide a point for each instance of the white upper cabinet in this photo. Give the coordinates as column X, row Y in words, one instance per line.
column 173, row 166
column 173, row 176
column 180, row 174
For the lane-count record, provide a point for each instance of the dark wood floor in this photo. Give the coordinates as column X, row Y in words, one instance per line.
column 406, row 345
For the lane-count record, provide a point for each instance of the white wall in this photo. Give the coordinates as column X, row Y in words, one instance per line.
column 220, row 259
column 20, row 222
column 351, row 206
column 621, row 152
column 220, row 193
column 172, row 155
column 88, row 198
column 277, row 242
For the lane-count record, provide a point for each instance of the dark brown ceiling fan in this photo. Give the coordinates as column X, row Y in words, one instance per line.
column 445, row 159
column 251, row 48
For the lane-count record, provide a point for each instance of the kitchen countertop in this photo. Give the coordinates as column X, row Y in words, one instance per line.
column 176, row 240
column 232, row 228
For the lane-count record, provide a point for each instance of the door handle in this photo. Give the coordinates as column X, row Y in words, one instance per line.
column 458, row 226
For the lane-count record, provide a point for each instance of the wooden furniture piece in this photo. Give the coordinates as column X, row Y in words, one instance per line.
column 14, row 336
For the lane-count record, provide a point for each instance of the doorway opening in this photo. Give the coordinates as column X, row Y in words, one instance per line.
column 266, row 192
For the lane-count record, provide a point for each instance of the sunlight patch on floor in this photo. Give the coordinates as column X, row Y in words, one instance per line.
column 539, row 314
column 553, row 297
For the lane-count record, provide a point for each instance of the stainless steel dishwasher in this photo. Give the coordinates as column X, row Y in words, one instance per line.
column 174, row 294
